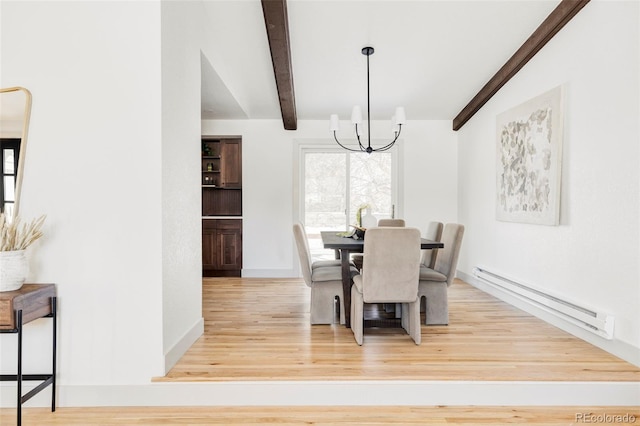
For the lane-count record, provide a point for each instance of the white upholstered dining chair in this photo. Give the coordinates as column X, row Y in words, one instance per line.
column 356, row 258
column 433, row 233
column 324, row 279
column 390, row 275
column 435, row 282
column 391, row 222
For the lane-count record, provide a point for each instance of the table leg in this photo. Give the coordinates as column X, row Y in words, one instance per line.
column 345, row 255
column 19, row 375
column 54, row 314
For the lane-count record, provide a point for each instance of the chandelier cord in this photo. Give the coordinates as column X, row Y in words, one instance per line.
column 368, row 109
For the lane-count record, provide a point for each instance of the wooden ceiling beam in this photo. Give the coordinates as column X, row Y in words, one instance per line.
column 276, row 21
column 557, row 19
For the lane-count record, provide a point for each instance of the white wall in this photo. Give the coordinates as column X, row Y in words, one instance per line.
column 181, row 195
column 269, row 156
column 592, row 257
column 94, row 166
column 110, row 133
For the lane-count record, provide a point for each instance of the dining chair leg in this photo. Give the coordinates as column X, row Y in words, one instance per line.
column 340, row 301
column 357, row 315
column 404, row 318
column 410, row 320
column 323, row 303
column 415, row 329
column 437, row 303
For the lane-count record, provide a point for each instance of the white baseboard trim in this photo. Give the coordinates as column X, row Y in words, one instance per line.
column 614, row 346
column 172, row 356
column 334, row 393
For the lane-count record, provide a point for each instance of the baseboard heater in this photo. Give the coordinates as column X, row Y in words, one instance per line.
column 586, row 318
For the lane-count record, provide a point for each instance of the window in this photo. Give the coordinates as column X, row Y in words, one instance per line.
column 335, row 182
column 9, row 153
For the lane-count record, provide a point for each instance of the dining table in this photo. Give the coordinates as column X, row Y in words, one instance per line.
column 344, row 246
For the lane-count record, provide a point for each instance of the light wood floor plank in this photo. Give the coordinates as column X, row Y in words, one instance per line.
column 461, row 416
column 258, row 329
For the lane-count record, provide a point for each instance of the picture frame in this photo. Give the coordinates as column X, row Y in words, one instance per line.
column 529, row 160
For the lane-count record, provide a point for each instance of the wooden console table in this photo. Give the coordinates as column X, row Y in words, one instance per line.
column 17, row 308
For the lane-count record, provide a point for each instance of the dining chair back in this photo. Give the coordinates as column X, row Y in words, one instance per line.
column 390, row 275
column 304, row 253
column 433, row 233
column 356, row 258
column 447, row 258
column 391, row 222
column 434, row 282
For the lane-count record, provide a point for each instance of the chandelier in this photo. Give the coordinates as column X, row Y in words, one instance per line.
column 356, row 119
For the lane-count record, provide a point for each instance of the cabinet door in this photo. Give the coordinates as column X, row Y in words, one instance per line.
column 229, row 246
column 231, row 163
column 209, row 257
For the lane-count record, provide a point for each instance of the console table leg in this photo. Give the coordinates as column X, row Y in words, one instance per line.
column 19, row 375
column 54, row 314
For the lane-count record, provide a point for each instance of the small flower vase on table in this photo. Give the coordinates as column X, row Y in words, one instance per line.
column 369, row 220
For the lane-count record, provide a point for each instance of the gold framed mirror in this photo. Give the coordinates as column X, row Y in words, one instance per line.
column 15, row 112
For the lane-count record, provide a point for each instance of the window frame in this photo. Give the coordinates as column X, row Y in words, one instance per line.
column 301, row 147
column 14, row 144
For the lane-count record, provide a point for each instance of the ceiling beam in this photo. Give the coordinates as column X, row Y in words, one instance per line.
column 557, row 19
column 276, row 21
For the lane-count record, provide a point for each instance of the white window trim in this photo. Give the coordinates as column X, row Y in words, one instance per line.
column 301, row 146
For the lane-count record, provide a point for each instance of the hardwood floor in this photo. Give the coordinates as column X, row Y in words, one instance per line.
column 461, row 416
column 258, row 329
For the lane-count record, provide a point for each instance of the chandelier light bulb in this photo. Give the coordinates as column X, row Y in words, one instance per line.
column 356, row 115
column 400, row 117
column 335, row 123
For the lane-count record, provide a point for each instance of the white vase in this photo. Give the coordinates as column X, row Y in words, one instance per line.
column 369, row 220
column 13, row 269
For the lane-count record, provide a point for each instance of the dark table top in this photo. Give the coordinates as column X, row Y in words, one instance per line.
column 331, row 240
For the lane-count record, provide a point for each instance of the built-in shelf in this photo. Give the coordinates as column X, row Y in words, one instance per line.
column 221, row 210
column 220, row 217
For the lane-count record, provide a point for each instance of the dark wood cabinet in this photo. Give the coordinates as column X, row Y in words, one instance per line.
column 221, row 202
column 231, row 163
column 221, row 177
column 221, row 163
column 221, row 206
column 221, row 247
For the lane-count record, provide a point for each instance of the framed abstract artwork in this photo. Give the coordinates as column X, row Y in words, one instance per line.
column 529, row 160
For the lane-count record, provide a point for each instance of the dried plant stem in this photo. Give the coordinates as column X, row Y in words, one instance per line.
column 16, row 235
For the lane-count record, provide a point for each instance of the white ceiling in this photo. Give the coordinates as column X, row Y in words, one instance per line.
column 430, row 56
